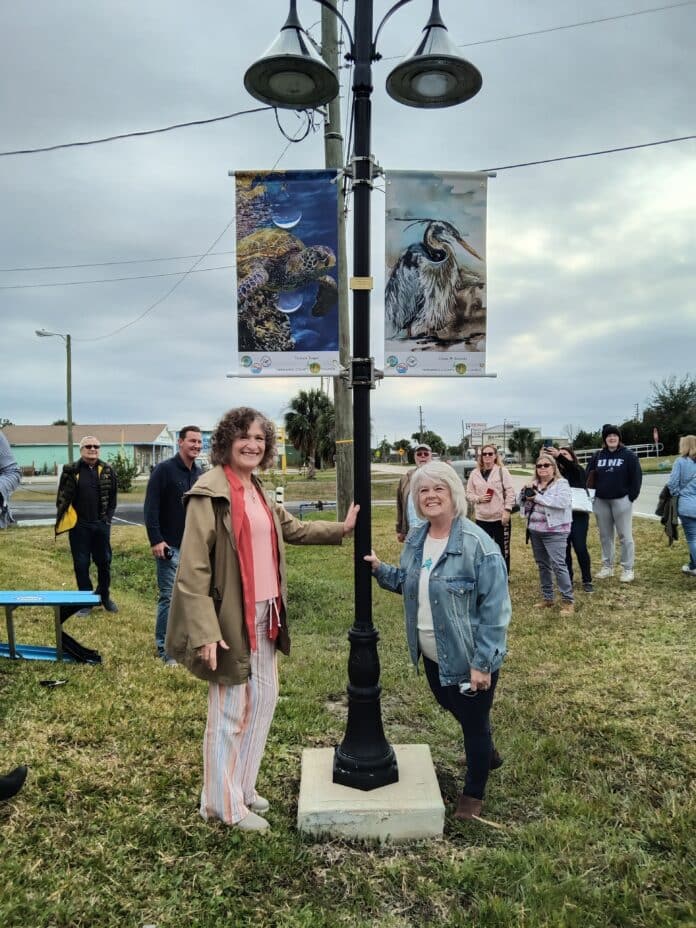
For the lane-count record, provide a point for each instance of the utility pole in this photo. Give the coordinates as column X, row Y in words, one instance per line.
column 420, row 426
column 333, row 157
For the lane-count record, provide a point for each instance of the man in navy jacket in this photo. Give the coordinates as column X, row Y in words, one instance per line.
column 616, row 476
column 164, row 521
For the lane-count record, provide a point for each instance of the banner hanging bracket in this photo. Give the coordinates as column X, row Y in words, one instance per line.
column 362, row 373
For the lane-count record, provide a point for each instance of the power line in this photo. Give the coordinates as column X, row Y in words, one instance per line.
column 179, row 282
column 261, row 109
column 111, row 280
column 72, row 267
column 106, row 280
column 584, row 22
column 132, row 135
column 590, row 154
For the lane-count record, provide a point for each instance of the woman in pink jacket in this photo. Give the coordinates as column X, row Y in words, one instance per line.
column 491, row 491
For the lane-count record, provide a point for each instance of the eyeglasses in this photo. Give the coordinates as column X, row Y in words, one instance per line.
column 544, row 465
column 92, row 447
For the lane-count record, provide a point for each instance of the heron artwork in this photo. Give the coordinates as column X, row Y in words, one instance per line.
column 428, row 290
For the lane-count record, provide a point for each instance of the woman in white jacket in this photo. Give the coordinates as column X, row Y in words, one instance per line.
column 547, row 505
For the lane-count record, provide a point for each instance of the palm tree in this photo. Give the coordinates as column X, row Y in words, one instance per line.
column 520, row 442
column 303, row 424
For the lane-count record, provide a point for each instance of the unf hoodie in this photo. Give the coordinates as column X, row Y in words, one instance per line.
column 615, row 474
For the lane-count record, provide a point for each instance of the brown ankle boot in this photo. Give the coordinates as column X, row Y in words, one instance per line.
column 468, row 807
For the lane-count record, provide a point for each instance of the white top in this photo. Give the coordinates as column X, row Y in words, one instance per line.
column 433, row 550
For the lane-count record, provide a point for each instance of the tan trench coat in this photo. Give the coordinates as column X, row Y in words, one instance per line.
column 207, row 602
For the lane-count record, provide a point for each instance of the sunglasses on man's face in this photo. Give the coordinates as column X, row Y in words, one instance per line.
column 92, row 447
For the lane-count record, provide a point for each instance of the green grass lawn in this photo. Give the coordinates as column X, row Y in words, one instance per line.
column 594, row 716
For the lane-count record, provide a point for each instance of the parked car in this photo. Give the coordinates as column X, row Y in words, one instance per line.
column 509, row 459
column 464, row 468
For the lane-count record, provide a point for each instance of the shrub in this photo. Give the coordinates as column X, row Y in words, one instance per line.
column 125, row 470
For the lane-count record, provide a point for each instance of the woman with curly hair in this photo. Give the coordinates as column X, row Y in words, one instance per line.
column 228, row 613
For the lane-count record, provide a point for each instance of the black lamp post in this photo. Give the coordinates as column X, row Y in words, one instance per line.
column 290, row 76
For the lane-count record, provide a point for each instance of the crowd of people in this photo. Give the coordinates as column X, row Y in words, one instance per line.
column 219, row 551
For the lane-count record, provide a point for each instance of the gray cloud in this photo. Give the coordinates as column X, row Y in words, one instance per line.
column 591, row 273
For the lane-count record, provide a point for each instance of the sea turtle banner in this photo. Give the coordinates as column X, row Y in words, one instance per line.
column 287, row 293
column 435, row 294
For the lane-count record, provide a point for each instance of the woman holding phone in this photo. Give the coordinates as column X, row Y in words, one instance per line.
column 491, row 491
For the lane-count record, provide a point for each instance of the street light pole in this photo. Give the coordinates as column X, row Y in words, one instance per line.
column 290, row 76
column 43, row 333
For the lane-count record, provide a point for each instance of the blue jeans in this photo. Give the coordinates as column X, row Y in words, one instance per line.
column 166, row 571
column 689, row 526
column 91, row 541
column 549, row 550
column 473, row 714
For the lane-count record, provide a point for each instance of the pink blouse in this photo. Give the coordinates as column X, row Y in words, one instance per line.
column 265, row 571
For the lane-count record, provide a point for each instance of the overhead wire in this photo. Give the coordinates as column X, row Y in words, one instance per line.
column 137, row 134
column 213, row 119
column 186, row 274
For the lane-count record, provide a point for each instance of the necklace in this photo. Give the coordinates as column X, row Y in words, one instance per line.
column 252, row 493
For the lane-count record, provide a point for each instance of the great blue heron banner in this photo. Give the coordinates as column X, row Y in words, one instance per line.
column 435, row 296
column 287, row 293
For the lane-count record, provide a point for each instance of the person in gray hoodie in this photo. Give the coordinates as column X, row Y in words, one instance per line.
column 614, row 472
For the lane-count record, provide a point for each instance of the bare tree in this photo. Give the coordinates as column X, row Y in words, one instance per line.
column 571, row 433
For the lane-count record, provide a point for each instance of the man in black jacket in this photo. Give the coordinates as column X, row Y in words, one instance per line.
column 164, row 521
column 86, row 502
column 616, row 476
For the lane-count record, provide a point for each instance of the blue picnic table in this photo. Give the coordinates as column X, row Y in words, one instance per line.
column 66, row 600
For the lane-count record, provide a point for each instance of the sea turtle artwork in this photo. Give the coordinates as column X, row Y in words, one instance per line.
column 275, row 260
column 279, row 274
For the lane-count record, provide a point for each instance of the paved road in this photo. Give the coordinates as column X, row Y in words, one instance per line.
column 43, row 512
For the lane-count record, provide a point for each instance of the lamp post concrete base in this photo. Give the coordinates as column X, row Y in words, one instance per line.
column 410, row 810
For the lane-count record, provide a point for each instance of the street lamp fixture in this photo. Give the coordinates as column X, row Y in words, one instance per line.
column 290, row 74
column 44, row 333
column 434, row 76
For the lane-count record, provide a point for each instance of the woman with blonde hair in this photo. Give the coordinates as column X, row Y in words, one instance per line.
column 546, row 503
column 490, row 490
column 682, row 484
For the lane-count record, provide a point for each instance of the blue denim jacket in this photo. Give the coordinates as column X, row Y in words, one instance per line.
column 469, row 600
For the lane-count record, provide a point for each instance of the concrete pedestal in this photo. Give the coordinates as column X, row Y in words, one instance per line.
column 409, row 810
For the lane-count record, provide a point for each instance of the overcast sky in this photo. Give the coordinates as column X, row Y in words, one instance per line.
column 591, row 262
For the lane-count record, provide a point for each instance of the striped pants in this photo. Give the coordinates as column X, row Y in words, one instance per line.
column 239, row 719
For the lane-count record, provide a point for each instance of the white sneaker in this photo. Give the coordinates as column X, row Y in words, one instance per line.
column 604, row 573
column 259, row 804
column 685, row 569
column 252, row 822
column 626, row 576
